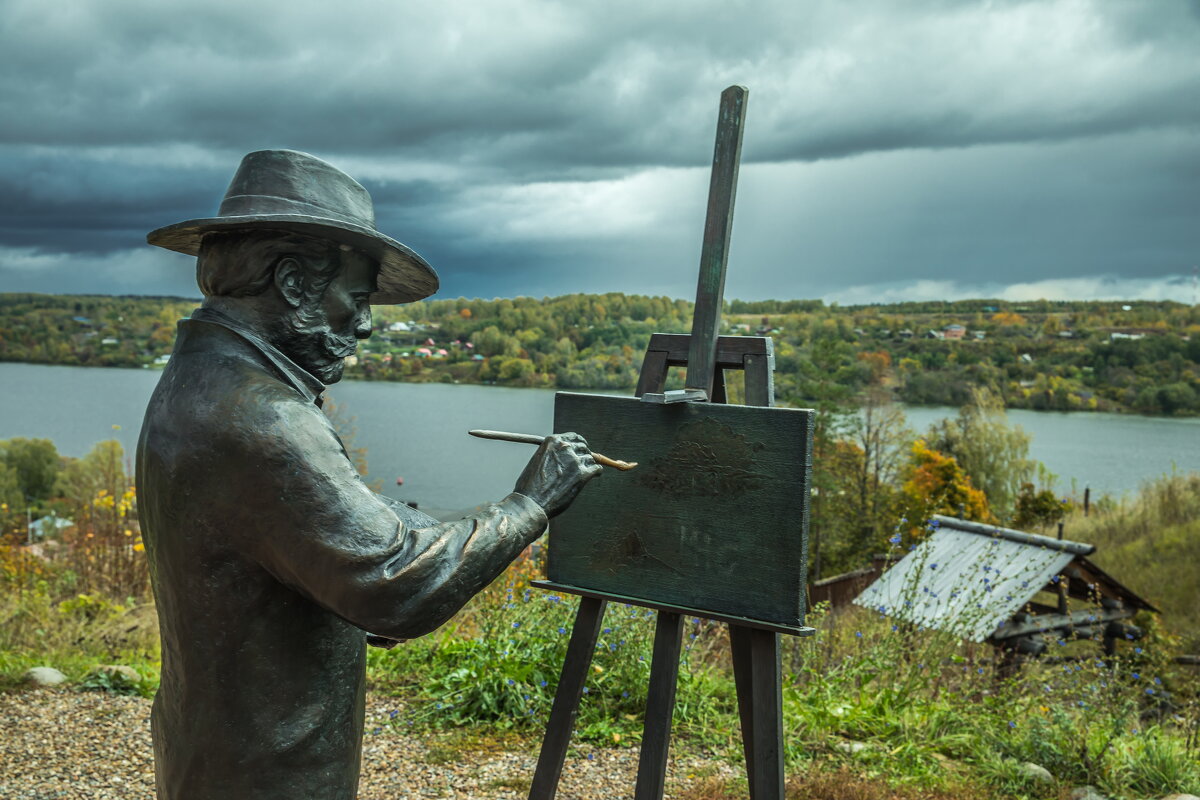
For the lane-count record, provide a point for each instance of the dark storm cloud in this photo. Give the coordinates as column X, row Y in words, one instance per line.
column 538, row 147
column 94, row 203
column 538, row 85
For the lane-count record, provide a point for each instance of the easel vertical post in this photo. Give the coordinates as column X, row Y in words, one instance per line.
column 714, row 253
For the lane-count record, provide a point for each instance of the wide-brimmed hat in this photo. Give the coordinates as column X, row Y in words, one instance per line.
column 294, row 192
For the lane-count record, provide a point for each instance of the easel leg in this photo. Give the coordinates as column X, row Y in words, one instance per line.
column 660, row 705
column 566, row 700
column 757, row 671
column 739, row 644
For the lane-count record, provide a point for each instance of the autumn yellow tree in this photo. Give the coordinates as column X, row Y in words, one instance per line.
column 1008, row 318
column 936, row 484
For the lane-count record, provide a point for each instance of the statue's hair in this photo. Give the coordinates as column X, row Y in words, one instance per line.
column 242, row 264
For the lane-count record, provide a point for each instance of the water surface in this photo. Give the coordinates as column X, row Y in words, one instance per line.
column 419, row 431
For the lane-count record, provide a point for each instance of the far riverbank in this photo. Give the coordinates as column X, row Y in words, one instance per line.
column 419, row 431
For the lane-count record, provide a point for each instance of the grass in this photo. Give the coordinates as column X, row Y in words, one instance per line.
column 447, row 746
column 908, row 713
column 1152, row 542
column 829, row 781
column 517, row 783
column 76, row 635
column 499, row 663
column 874, row 708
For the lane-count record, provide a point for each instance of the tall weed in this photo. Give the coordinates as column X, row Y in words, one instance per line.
column 1152, row 541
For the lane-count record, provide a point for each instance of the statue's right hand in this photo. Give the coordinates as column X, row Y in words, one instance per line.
column 557, row 471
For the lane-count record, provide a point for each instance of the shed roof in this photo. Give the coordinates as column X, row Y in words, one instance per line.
column 969, row 578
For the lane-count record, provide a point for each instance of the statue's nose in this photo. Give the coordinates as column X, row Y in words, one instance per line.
column 362, row 325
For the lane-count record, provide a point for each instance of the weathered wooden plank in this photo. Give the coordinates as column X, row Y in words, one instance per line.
column 766, row 733
column 760, row 380
column 1107, row 585
column 743, row 678
column 715, row 518
column 660, row 703
column 1045, row 622
column 718, row 388
column 718, row 224
column 566, row 700
column 653, row 377
column 731, row 350
column 757, row 666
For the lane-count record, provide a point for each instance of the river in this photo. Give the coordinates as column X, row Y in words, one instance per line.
column 419, row 431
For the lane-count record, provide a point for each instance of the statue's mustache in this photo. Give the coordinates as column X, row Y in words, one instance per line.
column 337, row 346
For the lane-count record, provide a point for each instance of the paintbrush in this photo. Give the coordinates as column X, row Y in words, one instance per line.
column 529, row 438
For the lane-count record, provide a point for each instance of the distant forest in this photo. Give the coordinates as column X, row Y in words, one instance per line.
column 1141, row 357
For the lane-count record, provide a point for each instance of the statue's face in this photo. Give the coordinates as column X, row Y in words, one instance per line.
column 343, row 316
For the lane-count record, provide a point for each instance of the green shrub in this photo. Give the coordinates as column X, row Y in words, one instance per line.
column 90, row 607
column 116, row 680
column 499, row 663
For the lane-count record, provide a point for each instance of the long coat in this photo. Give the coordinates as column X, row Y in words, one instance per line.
column 270, row 559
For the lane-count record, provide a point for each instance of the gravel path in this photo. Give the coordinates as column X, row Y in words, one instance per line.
column 58, row 744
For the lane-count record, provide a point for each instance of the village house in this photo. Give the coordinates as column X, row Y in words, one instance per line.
column 954, row 331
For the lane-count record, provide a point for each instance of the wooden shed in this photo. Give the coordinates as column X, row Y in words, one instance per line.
column 1011, row 589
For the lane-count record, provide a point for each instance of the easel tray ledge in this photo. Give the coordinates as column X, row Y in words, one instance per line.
column 793, row 630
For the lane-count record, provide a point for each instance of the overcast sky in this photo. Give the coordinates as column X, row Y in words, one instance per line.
column 915, row 150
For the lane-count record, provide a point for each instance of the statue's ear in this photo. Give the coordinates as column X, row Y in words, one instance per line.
column 288, row 280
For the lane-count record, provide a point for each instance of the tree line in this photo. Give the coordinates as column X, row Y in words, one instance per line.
column 1142, row 357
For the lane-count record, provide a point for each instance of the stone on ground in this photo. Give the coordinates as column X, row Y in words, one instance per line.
column 1037, row 772
column 44, row 676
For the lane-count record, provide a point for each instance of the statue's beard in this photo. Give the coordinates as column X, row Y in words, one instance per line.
column 321, row 351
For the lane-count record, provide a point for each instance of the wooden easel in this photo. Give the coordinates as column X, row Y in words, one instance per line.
column 755, row 645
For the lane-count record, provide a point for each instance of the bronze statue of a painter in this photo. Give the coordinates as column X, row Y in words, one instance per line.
column 270, row 558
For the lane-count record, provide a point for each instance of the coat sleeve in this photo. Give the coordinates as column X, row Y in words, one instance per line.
column 326, row 535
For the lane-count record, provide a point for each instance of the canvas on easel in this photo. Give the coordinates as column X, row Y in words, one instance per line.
column 711, row 522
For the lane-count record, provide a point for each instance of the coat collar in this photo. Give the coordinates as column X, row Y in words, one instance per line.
column 299, row 378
